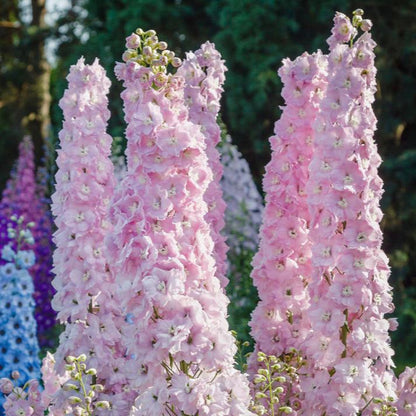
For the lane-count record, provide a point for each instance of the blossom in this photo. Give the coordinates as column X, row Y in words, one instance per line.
column 84, row 185
column 204, row 71
column 162, row 250
column 346, row 241
column 282, row 266
column 19, row 347
column 25, row 197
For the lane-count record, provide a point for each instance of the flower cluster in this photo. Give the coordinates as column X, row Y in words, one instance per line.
column 19, row 347
column 351, row 372
column 282, row 266
column 276, row 384
column 26, row 197
column 179, row 351
column 84, row 185
column 25, row 400
column 203, row 72
column 83, row 389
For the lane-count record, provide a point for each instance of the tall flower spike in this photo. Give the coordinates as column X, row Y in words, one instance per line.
column 24, row 197
column 282, row 266
column 203, row 72
column 19, row 197
column 178, row 348
column 84, row 186
column 19, row 347
column 349, row 348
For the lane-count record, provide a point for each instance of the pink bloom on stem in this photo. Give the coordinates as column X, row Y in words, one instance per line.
column 203, row 71
column 84, row 186
column 170, row 294
column 349, row 280
column 282, row 266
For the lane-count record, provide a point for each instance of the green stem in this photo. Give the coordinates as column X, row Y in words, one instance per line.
column 270, row 387
column 84, row 391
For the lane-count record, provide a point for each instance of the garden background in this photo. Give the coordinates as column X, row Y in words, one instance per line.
column 253, row 36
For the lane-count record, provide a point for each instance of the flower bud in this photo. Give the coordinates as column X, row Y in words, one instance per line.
column 358, row 12
column 82, row 358
column 70, row 359
column 285, row 409
column 6, row 386
column 129, row 54
column 147, row 51
column 91, row 372
column 97, row 387
column 78, row 411
column 133, row 41
column 103, row 404
column 15, row 375
column 356, row 20
column 176, row 62
column 366, row 25
column 69, row 387
column 74, row 400
column 259, row 379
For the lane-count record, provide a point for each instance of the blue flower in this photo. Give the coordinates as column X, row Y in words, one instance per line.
column 19, row 347
column 8, row 253
column 8, row 270
column 25, row 259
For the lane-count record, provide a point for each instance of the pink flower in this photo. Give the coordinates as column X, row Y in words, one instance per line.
column 162, row 247
column 349, row 281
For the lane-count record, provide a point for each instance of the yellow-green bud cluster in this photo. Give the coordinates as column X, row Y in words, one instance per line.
column 358, row 21
column 272, row 381
column 148, row 51
column 82, row 383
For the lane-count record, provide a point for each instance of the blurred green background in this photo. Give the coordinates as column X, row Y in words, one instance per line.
column 253, row 36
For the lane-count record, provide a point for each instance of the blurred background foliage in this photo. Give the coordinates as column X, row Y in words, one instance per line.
column 253, row 36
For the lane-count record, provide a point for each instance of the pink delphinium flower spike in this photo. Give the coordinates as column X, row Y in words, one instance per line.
column 179, row 351
column 203, row 72
column 84, row 187
column 282, row 266
column 349, row 349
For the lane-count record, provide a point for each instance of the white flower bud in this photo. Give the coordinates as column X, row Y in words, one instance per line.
column 69, row 387
column 103, row 404
column 74, row 400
